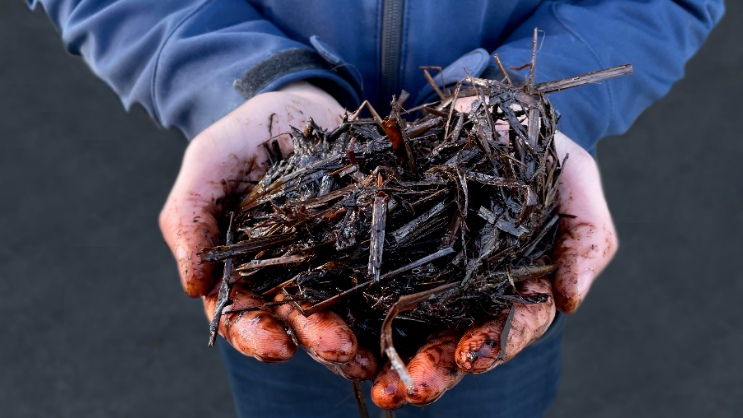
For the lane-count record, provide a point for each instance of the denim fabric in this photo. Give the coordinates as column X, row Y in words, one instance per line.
column 524, row 387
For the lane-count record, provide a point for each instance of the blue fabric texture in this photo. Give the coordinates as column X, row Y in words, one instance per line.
column 179, row 59
column 525, row 387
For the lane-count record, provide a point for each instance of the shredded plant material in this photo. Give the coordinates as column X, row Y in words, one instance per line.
column 432, row 221
column 368, row 212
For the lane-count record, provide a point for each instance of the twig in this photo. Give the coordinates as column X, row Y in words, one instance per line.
column 257, row 264
column 223, row 299
column 503, row 70
column 388, row 348
column 504, row 333
column 533, row 65
column 433, row 84
column 580, row 80
column 360, row 401
column 376, row 246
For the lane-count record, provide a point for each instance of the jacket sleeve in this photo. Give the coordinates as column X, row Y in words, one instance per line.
column 656, row 36
column 189, row 62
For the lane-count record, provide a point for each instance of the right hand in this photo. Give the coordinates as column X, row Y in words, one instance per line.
column 586, row 245
column 220, row 162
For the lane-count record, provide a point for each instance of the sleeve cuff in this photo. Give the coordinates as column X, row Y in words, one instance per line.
column 297, row 64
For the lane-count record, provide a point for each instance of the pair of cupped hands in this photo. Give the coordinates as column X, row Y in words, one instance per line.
column 224, row 159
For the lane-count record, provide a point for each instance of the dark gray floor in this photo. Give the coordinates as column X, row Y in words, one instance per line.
column 95, row 324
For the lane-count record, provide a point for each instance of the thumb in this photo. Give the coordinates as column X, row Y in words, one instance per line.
column 188, row 221
column 222, row 161
column 588, row 240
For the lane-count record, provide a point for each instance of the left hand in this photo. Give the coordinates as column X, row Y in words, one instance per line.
column 585, row 247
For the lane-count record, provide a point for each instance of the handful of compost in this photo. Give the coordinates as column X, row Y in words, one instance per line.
column 388, row 227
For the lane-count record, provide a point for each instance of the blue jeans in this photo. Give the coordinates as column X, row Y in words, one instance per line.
column 523, row 387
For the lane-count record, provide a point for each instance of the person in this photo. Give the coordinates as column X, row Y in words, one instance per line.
column 231, row 73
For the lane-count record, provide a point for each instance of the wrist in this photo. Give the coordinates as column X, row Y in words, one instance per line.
column 269, row 115
column 310, row 92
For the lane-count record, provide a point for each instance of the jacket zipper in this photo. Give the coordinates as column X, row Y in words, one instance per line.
column 392, row 14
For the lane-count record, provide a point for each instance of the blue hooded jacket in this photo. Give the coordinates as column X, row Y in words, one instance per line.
column 191, row 62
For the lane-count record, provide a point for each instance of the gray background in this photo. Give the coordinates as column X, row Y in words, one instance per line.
column 94, row 323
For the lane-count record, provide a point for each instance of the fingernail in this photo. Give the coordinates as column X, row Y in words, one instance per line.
column 584, row 281
column 181, row 256
column 180, row 253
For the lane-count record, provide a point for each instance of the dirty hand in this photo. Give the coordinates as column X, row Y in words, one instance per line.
column 220, row 162
column 585, row 247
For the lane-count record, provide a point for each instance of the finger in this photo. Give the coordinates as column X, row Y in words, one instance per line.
column 433, row 369
column 255, row 333
column 588, row 241
column 386, row 392
column 363, row 366
column 324, row 334
column 187, row 229
column 480, row 349
column 221, row 162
